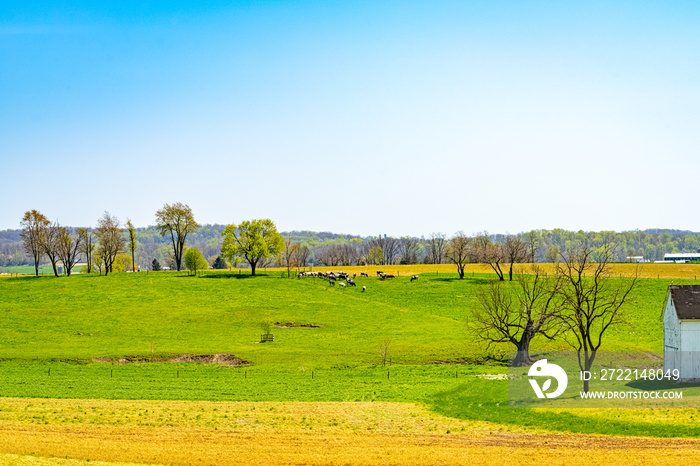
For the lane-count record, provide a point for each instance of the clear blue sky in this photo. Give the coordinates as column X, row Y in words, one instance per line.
column 359, row 117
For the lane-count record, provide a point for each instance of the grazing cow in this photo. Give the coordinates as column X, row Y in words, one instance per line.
column 415, row 277
column 331, row 282
column 387, row 276
column 351, row 282
column 364, row 274
column 354, row 275
column 364, row 288
column 342, row 285
column 380, row 273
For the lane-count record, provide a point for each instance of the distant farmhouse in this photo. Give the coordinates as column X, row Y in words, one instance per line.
column 682, row 331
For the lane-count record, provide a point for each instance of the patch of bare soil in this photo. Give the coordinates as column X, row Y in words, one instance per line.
column 296, row 325
column 224, row 359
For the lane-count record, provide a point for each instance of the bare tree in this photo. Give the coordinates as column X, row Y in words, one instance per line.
column 593, row 299
column 514, row 251
column 389, row 250
column 302, row 256
column 69, row 242
column 408, row 249
column 534, row 310
column 389, row 247
column 354, row 252
column 51, row 244
column 132, row 243
column 383, row 349
column 88, row 247
column 34, row 225
column 339, row 254
column 345, row 253
column 289, row 255
column 458, row 252
column 486, row 252
column 437, row 243
column 176, row 220
column 110, row 239
column 329, row 256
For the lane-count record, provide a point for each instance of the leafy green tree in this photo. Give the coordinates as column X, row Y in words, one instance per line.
column 252, row 240
column 194, row 260
column 122, row 263
column 375, row 256
column 155, row 265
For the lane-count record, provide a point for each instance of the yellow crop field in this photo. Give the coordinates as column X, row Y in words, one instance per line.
column 70, row 432
column 649, row 270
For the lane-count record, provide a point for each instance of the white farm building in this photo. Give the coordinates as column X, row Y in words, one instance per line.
column 682, row 330
column 681, row 257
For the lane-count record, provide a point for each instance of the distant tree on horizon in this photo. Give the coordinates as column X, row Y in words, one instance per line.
column 69, row 242
column 458, row 251
column 34, row 225
column 131, row 242
column 88, row 246
column 176, row 220
column 110, row 240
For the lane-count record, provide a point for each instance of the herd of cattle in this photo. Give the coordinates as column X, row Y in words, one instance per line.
column 350, row 281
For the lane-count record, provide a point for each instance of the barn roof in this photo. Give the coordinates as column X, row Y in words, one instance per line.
column 686, row 300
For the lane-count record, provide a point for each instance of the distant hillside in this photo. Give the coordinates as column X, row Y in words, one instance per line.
column 661, row 231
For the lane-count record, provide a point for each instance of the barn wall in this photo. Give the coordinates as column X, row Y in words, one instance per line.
column 690, row 335
column 672, row 337
column 690, row 346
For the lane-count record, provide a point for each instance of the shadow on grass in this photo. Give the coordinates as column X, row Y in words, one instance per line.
column 475, row 281
column 45, row 276
column 487, row 400
column 235, row 275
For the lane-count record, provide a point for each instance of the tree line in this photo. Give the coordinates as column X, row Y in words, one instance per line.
column 112, row 246
column 149, row 247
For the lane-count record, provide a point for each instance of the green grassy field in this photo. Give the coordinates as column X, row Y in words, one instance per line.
column 88, row 316
column 60, row 325
column 27, row 269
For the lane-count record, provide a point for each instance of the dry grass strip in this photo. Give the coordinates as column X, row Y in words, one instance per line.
column 199, row 433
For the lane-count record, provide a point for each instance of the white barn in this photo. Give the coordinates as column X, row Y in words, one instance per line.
column 682, row 330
